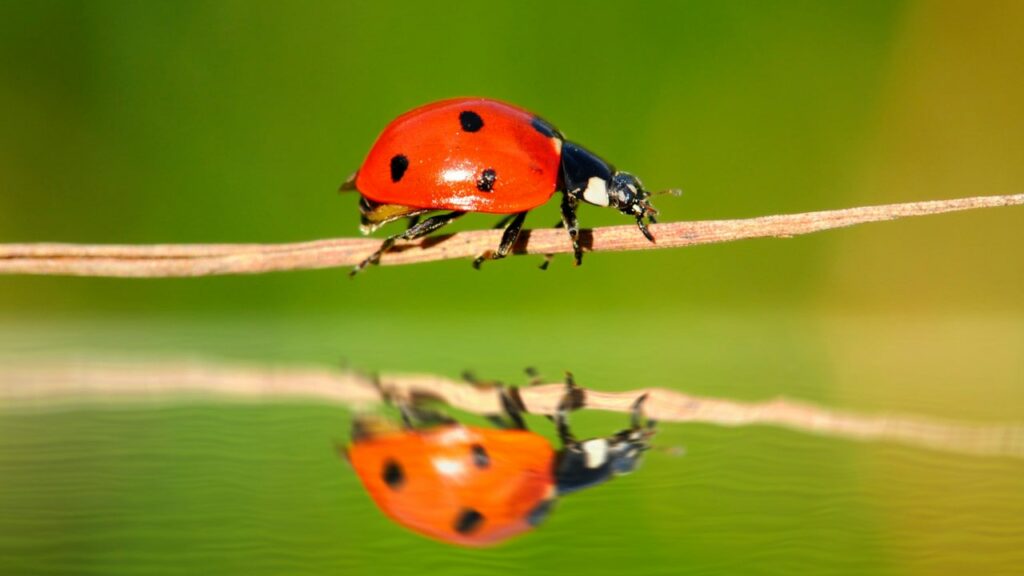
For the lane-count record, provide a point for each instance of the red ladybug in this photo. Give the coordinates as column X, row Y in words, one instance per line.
column 477, row 486
column 480, row 155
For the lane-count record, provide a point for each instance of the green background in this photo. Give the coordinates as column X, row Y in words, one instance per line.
column 174, row 122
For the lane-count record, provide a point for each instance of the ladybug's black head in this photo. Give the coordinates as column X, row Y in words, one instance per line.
column 590, row 179
column 627, row 193
column 626, row 448
column 581, row 464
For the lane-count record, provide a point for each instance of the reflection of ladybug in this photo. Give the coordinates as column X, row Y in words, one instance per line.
column 478, row 486
column 480, row 155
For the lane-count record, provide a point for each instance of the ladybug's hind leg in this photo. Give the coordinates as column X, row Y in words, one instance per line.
column 418, row 230
column 410, row 406
column 512, row 230
column 504, row 221
column 415, row 416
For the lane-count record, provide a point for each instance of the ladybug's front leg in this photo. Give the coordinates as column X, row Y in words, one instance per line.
column 572, row 225
column 418, row 230
column 574, row 398
column 512, row 230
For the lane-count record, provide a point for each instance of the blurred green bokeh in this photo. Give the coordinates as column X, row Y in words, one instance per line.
column 221, row 122
column 174, row 122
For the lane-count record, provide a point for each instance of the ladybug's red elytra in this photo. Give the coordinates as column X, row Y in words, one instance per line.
column 478, row 486
column 481, row 155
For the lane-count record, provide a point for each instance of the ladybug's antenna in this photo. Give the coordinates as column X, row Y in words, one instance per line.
column 674, row 451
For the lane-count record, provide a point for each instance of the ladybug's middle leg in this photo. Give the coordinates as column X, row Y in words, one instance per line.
column 511, row 404
column 512, row 230
column 504, row 221
column 418, row 230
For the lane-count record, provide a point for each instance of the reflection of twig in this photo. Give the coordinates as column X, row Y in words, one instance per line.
column 49, row 385
column 207, row 260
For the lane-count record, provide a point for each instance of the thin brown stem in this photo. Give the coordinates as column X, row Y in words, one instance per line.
column 215, row 259
column 51, row 385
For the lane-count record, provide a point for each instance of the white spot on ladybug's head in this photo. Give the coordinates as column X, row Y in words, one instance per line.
column 596, row 192
column 596, row 452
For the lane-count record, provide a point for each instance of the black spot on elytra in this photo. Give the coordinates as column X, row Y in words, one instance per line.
column 468, row 521
column 544, row 127
column 393, row 474
column 485, row 182
column 399, row 164
column 471, row 121
column 480, row 457
column 540, row 512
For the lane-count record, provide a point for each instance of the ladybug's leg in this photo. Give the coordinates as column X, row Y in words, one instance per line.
column 637, row 414
column 504, row 221
column 507, row 240
column 643, row 227
column 414, row 416
column 415, row 231
column 569, row 203
column 512, row 405
column 571, row 400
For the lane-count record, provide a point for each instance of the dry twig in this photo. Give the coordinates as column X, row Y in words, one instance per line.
column 214, row 259
column 52, row 385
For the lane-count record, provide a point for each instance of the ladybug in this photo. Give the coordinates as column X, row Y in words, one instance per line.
column 481, row 155
column 479, row 486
